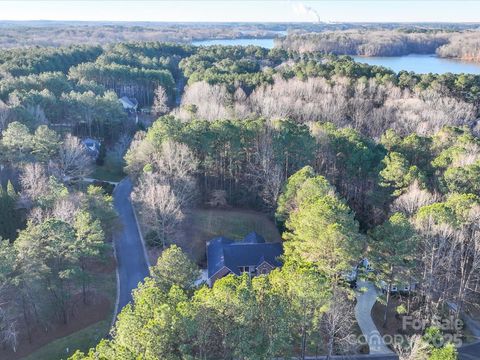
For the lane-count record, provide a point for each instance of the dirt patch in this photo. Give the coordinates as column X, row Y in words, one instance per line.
column 204, row 224
column 394, row 321
column 98, row 308
column 153, row 254
column 106, row 266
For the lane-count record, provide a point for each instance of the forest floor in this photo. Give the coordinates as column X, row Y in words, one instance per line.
column 87, row 325
column 394, row 323
column 203, row 225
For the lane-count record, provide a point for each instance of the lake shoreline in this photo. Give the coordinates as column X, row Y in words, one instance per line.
column 418, row 63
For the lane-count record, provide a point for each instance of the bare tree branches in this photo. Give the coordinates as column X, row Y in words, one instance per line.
column 8, row 330
column 4, row 115
column 336, row 325
column 413, row 199
column 166, row 193
column 73, row 160
column 210, row 101
column 175, row 161
column 416, row 349
column 369, row 106
column 34, row 181
column 266, row 175
column 160, row 207
column 160, row 101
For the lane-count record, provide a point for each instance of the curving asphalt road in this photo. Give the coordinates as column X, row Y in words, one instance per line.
column 132, row 266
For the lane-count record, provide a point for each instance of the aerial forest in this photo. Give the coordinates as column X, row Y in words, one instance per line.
column 348, row 160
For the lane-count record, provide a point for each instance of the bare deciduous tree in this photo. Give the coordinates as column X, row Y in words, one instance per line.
column 73, row 160
column 66, row 208
column 336, row 325
column 416, row 349
column 413, row 199
column 140, row 153
column 34, row 182
column 38, row 114
column 37, row 215
column 160, row 208
column 467, row 258
column 175, row 161
column 116, row 154
column 8, row 330
column 266, row 175
column 4, row 115
column 211, row 101
column 160, row 101
column 438, row 264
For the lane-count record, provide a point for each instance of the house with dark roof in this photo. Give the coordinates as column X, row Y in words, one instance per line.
column 251, row 255
column 92, row 146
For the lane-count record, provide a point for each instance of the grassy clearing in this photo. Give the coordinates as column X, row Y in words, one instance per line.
column 108, row 173
column 89, row 336
column 66, row 346
column 205, row 224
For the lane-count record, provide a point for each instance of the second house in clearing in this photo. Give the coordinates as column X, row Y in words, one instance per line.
column 251, row 255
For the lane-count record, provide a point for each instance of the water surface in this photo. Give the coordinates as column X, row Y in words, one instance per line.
column 422, row 64
column 418, row 63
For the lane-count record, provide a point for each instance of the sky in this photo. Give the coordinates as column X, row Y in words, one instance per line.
column 244, row 11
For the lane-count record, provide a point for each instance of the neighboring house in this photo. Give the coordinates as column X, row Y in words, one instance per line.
column 251, row 255
column 92, row 146
column 129, row 104
column 406, row 287
column 362, row 268
column 365, row 267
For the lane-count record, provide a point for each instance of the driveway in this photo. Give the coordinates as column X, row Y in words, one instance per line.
column 131, row 263
column 378, row 349
column 363, row 309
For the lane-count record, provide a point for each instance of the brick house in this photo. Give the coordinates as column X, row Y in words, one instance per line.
column 251, row 255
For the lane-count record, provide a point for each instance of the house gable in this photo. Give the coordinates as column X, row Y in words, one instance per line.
column 252, row 255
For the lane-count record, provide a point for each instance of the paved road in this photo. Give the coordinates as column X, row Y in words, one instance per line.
column 469, row 352
column 363, row 309
column 131, row 263
column 132, row 269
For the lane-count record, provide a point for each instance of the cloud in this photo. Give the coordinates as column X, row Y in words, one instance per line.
column 303, row 10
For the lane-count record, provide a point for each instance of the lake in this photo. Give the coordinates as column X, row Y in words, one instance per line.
column 422, row 64
column 418, row 63
column 266, row 43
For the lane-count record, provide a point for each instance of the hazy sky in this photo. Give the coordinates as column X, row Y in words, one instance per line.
column 246, row 10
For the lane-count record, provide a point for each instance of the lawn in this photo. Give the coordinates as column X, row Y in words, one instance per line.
column 66, row 346
column 205, row 224
column 90, row 325
column 107, row 173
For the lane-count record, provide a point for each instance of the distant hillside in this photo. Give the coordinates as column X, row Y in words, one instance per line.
column 62, row 33
column 445, row 42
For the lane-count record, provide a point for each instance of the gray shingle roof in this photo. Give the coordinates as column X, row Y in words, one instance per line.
column 251, row 251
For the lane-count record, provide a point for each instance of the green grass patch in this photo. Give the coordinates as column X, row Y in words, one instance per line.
column 234, row 224
column 107, row 173
column 82, row 340
column 205, row 224
column 104, row 281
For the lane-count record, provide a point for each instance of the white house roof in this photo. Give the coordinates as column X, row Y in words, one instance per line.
column 127, row 103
